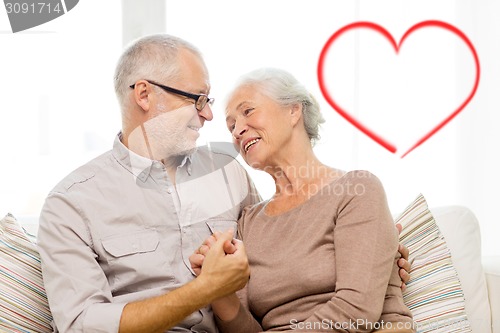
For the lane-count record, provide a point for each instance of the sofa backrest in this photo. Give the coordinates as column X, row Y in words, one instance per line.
column 460, row 229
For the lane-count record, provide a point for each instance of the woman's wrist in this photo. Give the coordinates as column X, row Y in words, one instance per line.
column 226, row 308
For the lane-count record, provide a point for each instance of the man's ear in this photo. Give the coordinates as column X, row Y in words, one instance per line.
column 142, row 94
column 296, row 113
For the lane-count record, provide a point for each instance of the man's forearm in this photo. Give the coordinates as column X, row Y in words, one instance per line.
column 221, row 275
column 160, row 313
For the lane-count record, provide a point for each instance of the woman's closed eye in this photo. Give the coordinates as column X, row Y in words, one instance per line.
column 246, row 112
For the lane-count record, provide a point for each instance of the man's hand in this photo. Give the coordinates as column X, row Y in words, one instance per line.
column 222, row 262
column 220, row 274
column 196, row 259
column 403, row 263
column 226, row 307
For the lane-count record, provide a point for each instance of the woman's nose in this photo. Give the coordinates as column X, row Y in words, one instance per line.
column 239, row 130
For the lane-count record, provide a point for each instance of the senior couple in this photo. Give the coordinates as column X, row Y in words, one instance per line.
column 141, row 239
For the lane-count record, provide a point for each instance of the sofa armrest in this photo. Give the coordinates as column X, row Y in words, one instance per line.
column 491, row 266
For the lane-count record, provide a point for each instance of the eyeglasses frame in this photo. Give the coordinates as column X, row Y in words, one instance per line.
column 194, row 97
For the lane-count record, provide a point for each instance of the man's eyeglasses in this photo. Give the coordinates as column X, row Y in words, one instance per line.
column 199, row 100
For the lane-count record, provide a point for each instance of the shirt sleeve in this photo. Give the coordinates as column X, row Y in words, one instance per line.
column 77, row 289
column 366, row 242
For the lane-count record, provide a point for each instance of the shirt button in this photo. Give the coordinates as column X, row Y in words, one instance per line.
column 169, row 191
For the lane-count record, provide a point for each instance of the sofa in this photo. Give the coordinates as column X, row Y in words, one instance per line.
column 479, row 276
column 452, row 287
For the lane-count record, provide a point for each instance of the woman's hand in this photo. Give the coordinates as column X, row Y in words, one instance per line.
column 403, row 263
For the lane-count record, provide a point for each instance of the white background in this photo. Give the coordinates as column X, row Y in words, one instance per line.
column 59, row 108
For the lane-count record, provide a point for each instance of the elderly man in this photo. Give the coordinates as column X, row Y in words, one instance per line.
column 116, row 234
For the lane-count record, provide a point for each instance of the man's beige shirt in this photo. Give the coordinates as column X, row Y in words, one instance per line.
column 117, row 230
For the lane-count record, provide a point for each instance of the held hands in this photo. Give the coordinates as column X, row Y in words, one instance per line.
column 223, row 259
column 222, row 262
column 403, row 263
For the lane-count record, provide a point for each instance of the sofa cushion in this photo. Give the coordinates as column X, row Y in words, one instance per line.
column 460, row 228
column 23, row 301
column 434, row 293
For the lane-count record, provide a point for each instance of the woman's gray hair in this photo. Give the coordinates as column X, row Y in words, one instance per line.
column 286, row 90
column 152, row 57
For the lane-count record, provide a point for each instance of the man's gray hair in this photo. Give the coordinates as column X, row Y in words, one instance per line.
column 286, row 90
column 152, row 57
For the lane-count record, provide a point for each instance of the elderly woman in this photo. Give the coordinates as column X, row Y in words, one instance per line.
column 323, row 249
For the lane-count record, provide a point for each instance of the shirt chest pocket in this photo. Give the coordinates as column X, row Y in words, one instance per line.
column 130, row 244
column 136, row 258
column 222, row 225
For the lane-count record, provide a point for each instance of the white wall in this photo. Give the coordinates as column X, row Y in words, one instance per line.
column 455, row 166
column 59, row 107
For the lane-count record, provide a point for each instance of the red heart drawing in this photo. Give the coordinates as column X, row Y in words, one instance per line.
column 379, row 29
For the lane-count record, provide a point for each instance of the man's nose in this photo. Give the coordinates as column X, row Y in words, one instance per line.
column 206, row 113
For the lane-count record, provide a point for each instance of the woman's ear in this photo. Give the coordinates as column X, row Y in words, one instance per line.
column 296, row 113
column 141, row 94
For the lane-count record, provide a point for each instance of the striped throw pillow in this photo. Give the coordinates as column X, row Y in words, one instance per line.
column 23, row 301
column 434, row 294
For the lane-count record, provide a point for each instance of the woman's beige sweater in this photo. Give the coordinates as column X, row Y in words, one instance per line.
column 326, row 265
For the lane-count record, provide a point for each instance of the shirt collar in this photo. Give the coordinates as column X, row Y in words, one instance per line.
column 187, row 161
column 138, row 165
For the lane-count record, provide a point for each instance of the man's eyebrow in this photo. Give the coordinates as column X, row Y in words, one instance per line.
column 206, row 91
column 198, row 90
column 203, row 91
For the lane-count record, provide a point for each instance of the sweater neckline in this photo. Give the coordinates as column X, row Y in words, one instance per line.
column 302, row 204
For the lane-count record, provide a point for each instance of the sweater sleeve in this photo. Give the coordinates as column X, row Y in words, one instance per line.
column 365, row 249
column 244, row 322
